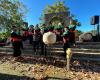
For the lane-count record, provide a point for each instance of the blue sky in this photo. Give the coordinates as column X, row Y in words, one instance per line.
column 82, row 9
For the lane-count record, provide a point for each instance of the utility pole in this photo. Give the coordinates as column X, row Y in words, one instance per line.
column 95, row 22
column 97, row 29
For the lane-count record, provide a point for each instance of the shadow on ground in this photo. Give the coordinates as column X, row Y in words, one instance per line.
column 14, row 77
column 55, row 78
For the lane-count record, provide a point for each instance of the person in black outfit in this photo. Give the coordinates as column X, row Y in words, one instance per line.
column 43, row 46
column 16, row 42
column 72, row 34
column 36, row 40
column 66, row 43
column 30, row 35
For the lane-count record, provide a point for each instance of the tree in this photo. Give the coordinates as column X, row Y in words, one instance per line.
column 11, row 13
column 55, row 8
column 76, row 22
column 79, row 32
column 59, row 7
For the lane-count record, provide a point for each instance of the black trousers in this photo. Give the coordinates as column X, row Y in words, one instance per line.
column 43, row 49
column 65, row 47
column 35, row 45
column 21, row 44
column 16, row 48
column 30, row 39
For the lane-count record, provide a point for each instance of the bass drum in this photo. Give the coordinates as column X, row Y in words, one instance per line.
column 49, row 38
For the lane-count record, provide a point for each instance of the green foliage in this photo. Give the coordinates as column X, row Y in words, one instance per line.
column 79, row 32
column 55, row 21
column 94, row 32
column 76, row 22
column 57, row 7
column 11, row 13
column 4, row 35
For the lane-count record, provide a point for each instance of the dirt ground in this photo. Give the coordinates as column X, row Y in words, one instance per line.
column 46, row 68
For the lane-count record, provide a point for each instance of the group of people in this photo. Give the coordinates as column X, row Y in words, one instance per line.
column 35, row 35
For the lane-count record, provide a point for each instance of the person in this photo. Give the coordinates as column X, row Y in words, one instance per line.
column 37, row 36
column 44, row 29
column 50, row 28
column 16, row 42
column 72, row 34
column 59, row 30
column 66, row 36
column 25, row 35
column 21, row 42
column 30, row 35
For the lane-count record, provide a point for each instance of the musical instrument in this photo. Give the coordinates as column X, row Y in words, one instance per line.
column 49, row 38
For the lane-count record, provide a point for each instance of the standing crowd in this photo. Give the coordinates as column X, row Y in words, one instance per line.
column 65, row 34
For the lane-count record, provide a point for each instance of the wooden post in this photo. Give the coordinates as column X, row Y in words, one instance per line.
column 68, row 64
column 68, row 56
